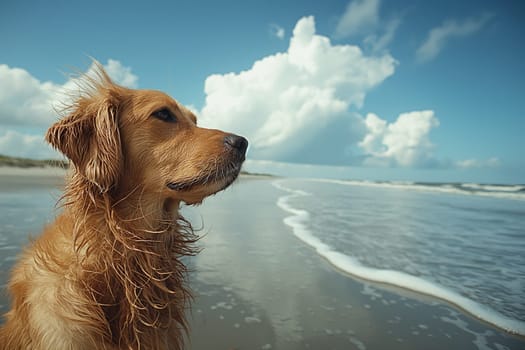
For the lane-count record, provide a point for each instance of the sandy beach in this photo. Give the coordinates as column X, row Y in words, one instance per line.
column 257, row 286
column 12, row 177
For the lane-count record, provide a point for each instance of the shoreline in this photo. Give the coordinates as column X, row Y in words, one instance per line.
column 287, row 271
column 51, row 171
column 419, row 295
column 14, row 179
column 46, row 171
column 420, row 286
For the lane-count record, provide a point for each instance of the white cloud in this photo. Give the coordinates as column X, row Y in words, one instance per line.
column 438, row 37
column 25, row 100
column 380, row 42
column 475, row 163
column 277, row 31
column 404, row 142
column 362, row 18
column 359, row 16
column 17, row 144
column 120, row 74
column 286, row 100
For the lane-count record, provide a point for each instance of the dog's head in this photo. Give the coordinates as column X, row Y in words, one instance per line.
column 122, row 139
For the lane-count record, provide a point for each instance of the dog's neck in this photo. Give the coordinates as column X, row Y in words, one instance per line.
column 147, row 212
column 131, row 245
column 136, row 214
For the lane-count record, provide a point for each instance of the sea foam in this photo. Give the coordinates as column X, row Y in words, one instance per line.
column 514, row 192
column 299, row 220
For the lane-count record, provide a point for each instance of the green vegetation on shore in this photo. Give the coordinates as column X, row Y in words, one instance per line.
column 37, row 163
column 32, row 163
column 243, row 172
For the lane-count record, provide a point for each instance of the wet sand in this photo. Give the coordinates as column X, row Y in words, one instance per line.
column 13, row 178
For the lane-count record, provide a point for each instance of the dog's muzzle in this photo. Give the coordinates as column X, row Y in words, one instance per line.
column 226, row 171
column 237, row 143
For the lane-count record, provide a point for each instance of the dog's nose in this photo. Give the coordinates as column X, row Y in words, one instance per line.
column 237, row 142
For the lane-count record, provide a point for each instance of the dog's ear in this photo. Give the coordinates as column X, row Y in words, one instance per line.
column 89, row 136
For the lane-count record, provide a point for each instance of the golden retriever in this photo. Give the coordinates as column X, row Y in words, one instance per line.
column 107, row 273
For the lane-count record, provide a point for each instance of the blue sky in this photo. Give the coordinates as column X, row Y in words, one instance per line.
column 386, row 90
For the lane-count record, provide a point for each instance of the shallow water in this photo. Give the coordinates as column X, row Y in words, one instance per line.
column 25, row 211
column 464, row 248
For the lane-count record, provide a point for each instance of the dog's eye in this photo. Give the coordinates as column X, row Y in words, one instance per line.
column 165, row 115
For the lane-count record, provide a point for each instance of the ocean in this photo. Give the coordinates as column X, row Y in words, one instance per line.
column 281, row 257
column 24, row 211
column 462, row 243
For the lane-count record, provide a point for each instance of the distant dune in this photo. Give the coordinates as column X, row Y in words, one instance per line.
column 6, row 161
column 9, row 166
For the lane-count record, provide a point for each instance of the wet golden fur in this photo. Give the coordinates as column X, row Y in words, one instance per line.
column 107, row 273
